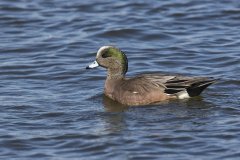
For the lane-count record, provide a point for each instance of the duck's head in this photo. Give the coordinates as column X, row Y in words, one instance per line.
column 111, row 58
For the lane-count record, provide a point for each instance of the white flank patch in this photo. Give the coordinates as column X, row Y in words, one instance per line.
column 183, row 95
column 135, row 92
column 101, row 49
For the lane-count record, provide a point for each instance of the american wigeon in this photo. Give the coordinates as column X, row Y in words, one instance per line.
column 147, row 88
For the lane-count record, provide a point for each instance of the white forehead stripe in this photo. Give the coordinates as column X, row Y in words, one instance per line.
column 101, row 49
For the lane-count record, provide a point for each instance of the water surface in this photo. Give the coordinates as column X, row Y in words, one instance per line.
column 52, row 108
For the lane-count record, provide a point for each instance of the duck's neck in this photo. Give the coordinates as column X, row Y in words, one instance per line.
column 115, row 74
column 113, row 78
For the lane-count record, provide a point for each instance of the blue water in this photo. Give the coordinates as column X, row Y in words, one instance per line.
column 52, row 108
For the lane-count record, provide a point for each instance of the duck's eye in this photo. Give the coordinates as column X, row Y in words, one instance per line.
column 106, row 54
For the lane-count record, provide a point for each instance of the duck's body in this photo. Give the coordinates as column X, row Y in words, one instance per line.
column 152, row 88
column 134, row 91
column 147, row 88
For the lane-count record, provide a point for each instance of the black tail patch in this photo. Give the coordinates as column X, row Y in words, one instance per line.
column 193, row 89
column 197, row 88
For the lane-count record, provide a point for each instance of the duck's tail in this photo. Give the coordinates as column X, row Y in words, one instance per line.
column 197, row 88
column 189, row 88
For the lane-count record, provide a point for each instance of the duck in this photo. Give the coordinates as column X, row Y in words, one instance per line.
column 143, row 89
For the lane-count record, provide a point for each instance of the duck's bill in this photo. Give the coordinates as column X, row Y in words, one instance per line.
column 92, row 65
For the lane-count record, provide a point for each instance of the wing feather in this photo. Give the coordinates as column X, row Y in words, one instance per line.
column 170, row 84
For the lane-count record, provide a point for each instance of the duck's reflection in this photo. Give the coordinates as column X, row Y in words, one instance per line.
column 114, row 119
column 196, row 102
column 113, row 106
column 191, row 110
